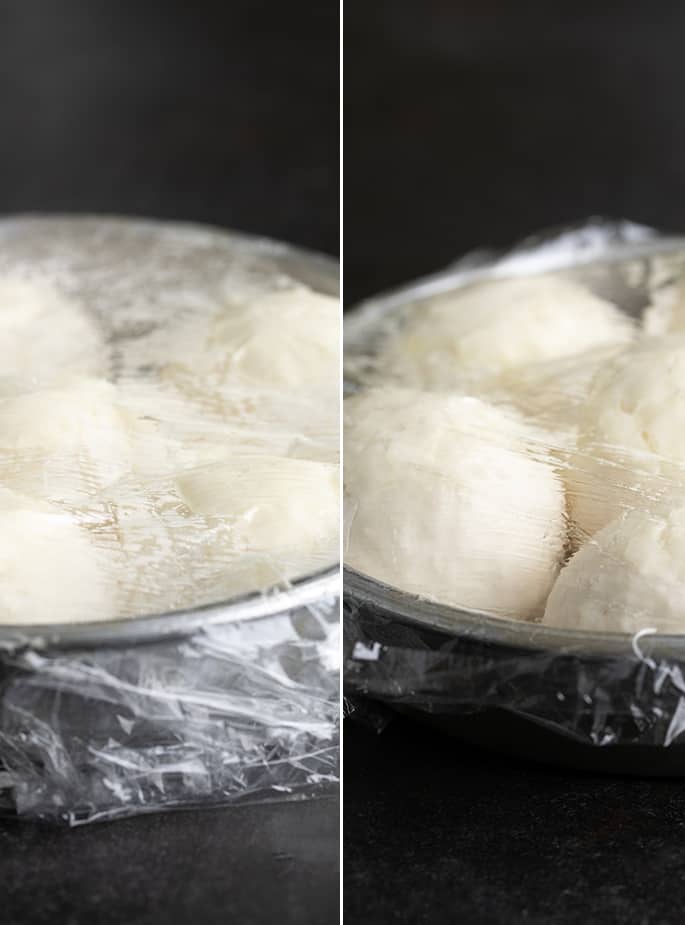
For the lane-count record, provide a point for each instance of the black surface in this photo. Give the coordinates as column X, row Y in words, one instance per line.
column 438, row 832
column 266, row 863
column 471, row 124
column 223, row 112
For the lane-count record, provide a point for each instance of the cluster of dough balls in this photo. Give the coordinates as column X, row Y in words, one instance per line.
column 626, row 484
column 206, row 468
column 456, row 499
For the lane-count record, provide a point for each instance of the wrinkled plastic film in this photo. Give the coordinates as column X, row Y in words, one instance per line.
column 626, row 699
column 244, row 711
column 518, row 421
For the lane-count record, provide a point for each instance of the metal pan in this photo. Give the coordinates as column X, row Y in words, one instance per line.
column 605, row 702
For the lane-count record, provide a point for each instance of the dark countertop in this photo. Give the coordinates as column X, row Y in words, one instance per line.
column 263, row 863
column 472, row 124
column 439, row 832
column 219, row 112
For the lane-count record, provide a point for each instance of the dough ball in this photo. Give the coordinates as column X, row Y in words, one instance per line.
column 275, row 517
column 451, row 499
column 64, row 444
column 49, row 571
column 265, row 372
column 631, row 439
column 44, row 335
column 630, row 576
column 287, row 338
column 478, row 334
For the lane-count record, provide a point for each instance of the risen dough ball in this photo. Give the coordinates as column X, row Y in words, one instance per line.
column 49, row 571
column 262, row 371
column 449, row 498
column 273, row 516
column 629, row 577
column 631, row 442
column 43, row 335
column 286, row 338
column 215, row 532
column 65, row 443
column 485, row 331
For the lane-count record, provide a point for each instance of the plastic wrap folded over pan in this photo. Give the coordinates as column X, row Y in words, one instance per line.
column 168, row 518
column 518, row 420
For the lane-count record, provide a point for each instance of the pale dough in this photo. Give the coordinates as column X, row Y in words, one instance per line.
column 49, row 570
column 631, row 441
column 288, row 338
column 209, row 469
column 66, row 443
column 43, row 334
column 257, row 504
column 264, row 372
column 482, row 333
column 452, row 499
column 666, row 312
column 629, row 577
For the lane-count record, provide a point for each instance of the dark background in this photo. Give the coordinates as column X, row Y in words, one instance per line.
column 471, row 124
column 226, row 113
column 474, row 122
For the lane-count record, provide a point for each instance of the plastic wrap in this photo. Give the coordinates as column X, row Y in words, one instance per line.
column 168, row 417
column 514, row 487
column 246, row 710
column 168, row 517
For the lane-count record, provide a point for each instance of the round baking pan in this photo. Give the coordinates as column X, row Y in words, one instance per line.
column 116, row 245
column 595, row 701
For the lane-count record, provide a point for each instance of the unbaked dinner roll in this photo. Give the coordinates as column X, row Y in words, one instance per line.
column 277, row 514
column 631, row 439
column 50, row 572
column 483, row 332
column 629, row 577
column 452, row 499
column 65, row 443
column 43, row 334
